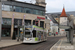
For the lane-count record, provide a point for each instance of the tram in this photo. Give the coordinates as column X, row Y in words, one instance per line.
column 34, row 34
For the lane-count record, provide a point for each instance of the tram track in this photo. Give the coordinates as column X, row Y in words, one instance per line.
column 39, row 46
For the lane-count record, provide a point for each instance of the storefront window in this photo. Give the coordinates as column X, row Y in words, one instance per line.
column 18, row 9
column 6, row 31
column 42, row 24
column 16, row 22
column 7, row 7
column 27, row 22
column 6, row 21
column 34, row 23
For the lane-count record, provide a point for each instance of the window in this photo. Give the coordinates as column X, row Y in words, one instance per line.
column 65, row 18
column 27, row 10
column 28, row 34
column 7, row 7
column 36, row 12
column 41, row 12
column 16, row 22
column 24, row 10
column 34, row 23
column 46, row 17
column 6, row 21
column 18, row 9
column 34, row 33
column 2, row 7
column 45, row 25
column 27, row 22
column 42, row 24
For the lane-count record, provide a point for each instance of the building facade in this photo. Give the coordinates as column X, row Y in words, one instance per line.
column 63, row 22
column 14, row 11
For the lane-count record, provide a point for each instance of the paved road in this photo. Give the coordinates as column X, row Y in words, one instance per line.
column 40, row 46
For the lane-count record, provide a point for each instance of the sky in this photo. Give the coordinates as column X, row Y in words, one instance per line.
column 54, row 6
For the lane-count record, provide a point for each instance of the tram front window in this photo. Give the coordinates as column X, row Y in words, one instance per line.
column 28, row 35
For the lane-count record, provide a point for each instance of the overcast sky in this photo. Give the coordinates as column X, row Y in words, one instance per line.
column 57, row 5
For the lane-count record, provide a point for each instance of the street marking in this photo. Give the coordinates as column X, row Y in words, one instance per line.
column 56, row 43
column 59, row 45
column 53, row 45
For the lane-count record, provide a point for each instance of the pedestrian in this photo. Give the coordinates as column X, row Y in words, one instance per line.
column 54, row 34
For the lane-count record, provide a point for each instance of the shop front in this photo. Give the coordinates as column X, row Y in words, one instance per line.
column 6, row 30
column 6, row 27
column 16, row 26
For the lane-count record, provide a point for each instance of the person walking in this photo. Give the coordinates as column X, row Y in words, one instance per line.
column 54, row 34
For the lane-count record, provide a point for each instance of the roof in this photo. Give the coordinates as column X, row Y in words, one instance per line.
column 52, row 19
column 67, row 13
column 63, row 14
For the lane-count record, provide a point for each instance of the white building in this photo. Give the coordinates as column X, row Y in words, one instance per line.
column 63, row 22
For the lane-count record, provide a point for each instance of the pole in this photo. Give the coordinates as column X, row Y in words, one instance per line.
column 72, row 31
column 18, row 31
column 0, row 19
column 24, row 25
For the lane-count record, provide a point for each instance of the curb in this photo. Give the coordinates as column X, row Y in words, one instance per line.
column 53, row 45
column 10, row 46
column 56, row 44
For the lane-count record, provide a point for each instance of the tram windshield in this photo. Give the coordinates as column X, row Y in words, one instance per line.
column 28, row 35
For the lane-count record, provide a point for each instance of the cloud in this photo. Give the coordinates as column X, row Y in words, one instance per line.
column 57, row 5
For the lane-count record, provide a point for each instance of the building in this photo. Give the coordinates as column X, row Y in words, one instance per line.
column 53, row 24
column 14, row 11
column 63, row 22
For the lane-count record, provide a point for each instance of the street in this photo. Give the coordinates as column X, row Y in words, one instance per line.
column 39, row 46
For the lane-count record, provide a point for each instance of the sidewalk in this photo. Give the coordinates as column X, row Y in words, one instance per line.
column 5, row 43
column 62, row 44
column 56, row 35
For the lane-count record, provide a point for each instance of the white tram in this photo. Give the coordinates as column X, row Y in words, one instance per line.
column 34, row 34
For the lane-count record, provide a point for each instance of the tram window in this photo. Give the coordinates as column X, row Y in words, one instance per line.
column 34, row 33
column 27, row 35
